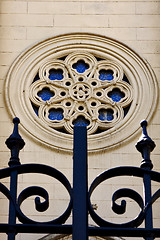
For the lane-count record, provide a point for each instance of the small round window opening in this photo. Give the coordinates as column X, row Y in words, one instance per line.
column 81, row 90
column 81, row 80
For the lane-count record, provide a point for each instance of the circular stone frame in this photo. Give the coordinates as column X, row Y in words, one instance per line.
column 137, row 69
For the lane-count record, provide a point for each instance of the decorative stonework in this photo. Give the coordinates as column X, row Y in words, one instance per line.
column 81, row 79
column 81, row 90
column 69, row 237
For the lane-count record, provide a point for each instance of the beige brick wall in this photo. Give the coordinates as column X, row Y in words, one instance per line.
column 23, row 23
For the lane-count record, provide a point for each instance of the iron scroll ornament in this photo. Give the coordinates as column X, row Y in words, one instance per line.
column 15, row 143
column 124, row 192
column 145, row 145
column 35, row 190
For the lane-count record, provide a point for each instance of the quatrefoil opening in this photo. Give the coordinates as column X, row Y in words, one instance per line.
column 83, row 90
column 56, row 74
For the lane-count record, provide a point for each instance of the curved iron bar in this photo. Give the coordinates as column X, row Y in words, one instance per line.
column 35, row 190
column 120, row 209
column 120, row 171
column 5, row 191
column 125, row 192
column 30, row 191
column 155, row 196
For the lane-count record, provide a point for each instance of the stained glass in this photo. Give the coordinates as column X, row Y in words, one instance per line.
column 81, row 121
column 116, row 95
column 80, row 66
column 45, row 94
column 106, row 114
column 55, row 74
column 106, row 75
column 56, row 114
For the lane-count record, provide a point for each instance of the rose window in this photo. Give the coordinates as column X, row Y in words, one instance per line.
column 81, row 79
column 81, row 89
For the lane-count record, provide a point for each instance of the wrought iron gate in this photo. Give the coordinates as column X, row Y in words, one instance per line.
column 80, row 197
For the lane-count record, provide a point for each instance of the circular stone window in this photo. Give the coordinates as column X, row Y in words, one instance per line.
column 81, row 80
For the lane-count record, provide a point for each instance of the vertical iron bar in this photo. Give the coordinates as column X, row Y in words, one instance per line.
column 148, row 195
column 15, row 143
column 12, row 204
column 80, row 185
column 145, row 145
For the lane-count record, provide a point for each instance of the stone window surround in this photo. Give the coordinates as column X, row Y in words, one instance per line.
column 137, row 69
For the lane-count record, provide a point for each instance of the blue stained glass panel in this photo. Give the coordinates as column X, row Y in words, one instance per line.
column 45, row 94
column 55, row 74
column 105, row 114
column 116, row 95
column 56, row 114
column 81, row 121
column 106, row 75
column 80, row 66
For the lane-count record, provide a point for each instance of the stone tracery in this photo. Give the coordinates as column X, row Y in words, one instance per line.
column 81, row 89
column 121, row 90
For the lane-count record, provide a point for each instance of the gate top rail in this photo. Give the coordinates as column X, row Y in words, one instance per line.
column 79, row 195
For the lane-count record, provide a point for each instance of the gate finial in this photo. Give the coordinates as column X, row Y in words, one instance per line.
column 145, row 145
column 15, row 143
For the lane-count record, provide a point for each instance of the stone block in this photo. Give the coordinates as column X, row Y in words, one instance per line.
column 144, row 46
column 26, row 20
column 156, row 117
column 147, row 21
column 55, row 7
column 7, row 45
column 153, row 59
column 3, row 70
column 79, row 21
column 148, row 34
column 150, row 8
column 108, row 8
column 6, row 59
column 3, row 236
column 13, row 7
column 155, row 131
column 39, row 33
column 6, row 129
column 13, row 33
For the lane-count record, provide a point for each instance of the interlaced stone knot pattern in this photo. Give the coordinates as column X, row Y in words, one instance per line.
column 81, row 89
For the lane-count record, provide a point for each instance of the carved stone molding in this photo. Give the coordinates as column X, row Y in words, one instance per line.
column 81, row 79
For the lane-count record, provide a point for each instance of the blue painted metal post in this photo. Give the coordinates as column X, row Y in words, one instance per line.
column 148, row 195
column 12, row 204
column 15, row 143
column 145, row 145
column 80, row 185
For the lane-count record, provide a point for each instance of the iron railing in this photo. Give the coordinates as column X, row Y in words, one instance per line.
column 80, row 197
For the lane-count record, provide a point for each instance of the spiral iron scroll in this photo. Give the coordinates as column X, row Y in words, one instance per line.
column 124, row 192
column 43, row 206
column 38, row 191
